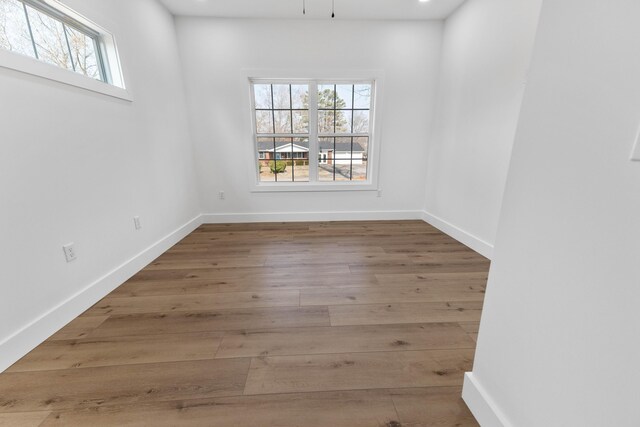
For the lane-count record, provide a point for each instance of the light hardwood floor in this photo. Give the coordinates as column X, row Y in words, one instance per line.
column 282, row 324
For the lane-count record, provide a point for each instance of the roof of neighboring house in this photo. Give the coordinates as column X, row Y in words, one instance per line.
column 304, row 146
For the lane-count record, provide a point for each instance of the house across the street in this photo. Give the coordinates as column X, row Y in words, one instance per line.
column 339, row 152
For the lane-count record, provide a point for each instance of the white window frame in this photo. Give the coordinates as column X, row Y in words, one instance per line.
column 313, row 79
column 115, row 84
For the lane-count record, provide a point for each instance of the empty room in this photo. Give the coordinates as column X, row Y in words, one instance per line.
column 350, row 213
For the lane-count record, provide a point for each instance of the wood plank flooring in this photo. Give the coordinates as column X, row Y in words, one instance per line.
column 279, row 324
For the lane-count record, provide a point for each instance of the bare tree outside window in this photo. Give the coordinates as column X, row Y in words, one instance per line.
column 283, row 137
column 83, row 53
column 33, row 32
column 14, row 30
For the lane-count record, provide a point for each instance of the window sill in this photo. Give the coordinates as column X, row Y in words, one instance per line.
column 35, row 67
column 311, row 187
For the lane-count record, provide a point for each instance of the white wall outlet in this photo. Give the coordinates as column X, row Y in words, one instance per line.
column 379, row 193
column 136, row 222
column 69, row 252
column 221, row 195
column 635, row 154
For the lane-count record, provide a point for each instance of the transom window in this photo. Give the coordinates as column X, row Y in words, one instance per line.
column 312, row 131
column 35, row 28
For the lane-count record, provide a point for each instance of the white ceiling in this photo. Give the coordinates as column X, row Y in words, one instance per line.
column 316, row 9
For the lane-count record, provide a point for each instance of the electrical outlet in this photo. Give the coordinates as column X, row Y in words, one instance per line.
column 221, row 195
column 379, row 193
column 136, row 222
column 69, row 252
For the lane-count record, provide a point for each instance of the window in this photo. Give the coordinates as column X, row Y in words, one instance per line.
column 312, row 131
column 48, row 31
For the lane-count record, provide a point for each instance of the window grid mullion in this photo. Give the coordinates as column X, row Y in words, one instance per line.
column 340, row 135
column 273, row 126
column 293, row 173
column 333, row 159
column 66, row 38
column 61, row 17
column 68, row 24
column 314, row 134
column 314, row 144
column 284, row 135
column 105, row 76
column 335, row 111
column 353, row 103
column 33, row 40
column 335, row 119
column 372, row 96
column 274, row 161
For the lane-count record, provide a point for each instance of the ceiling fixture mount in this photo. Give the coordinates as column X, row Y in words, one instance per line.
column 333, row 7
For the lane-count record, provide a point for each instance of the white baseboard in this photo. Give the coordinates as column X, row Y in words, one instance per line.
column 481, row 405
column 26, row 339
column 231, row 218
column 483, row 248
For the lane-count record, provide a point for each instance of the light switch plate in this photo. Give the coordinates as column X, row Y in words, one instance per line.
column 635, row 154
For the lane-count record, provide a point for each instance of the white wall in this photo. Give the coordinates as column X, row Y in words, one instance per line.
column 76, row 166
column 215, row 53
column 486, row 51
column 559, row 341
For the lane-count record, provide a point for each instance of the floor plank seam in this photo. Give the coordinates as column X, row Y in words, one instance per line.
column 386, row 316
